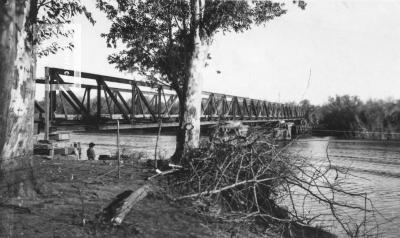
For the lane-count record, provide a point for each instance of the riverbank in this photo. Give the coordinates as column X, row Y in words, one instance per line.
column 71, row 193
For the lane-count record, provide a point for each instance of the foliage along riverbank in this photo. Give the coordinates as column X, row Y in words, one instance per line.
column 349, row 117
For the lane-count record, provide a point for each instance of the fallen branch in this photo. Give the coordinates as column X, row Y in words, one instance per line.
column 225, row 188
column 116, row 211
column 163, row 173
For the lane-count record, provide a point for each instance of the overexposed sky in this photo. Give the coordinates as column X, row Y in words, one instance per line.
column 350, row 47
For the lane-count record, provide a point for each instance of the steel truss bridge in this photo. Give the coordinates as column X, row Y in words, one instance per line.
column 140, row 104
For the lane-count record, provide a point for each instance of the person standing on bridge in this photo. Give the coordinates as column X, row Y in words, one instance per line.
column 90, row 151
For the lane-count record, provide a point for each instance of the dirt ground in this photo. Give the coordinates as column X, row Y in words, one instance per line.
column 72, row 192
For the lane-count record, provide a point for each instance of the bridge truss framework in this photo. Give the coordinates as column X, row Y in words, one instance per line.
column 139, row 104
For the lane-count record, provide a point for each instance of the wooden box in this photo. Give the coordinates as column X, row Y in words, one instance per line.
column 59, row 136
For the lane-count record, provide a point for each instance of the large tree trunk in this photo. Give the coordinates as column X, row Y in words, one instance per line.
column 16, row 99
column 188, row 135
column 181, row 133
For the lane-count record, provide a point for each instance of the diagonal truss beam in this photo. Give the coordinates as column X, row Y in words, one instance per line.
column 113, row 98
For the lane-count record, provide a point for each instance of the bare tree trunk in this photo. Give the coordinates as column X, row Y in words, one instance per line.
column 16, row 99
column 188, row 135
column 192, row 111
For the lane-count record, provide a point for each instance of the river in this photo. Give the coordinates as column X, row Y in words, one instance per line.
column 374, row 169
column 374, row 166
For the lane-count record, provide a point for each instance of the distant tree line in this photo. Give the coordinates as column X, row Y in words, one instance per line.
column 349, row 116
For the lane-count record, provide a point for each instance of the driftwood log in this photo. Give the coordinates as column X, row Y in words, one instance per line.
column 116, row 211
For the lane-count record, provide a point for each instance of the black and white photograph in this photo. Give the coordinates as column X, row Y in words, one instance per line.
column 200, row 118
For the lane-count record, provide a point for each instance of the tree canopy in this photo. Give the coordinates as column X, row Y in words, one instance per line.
column 50, row 17
column 157, row 34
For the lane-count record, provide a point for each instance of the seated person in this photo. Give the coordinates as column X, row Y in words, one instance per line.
column 90, row 152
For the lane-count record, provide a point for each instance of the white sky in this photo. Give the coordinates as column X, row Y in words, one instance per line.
column 351, row 46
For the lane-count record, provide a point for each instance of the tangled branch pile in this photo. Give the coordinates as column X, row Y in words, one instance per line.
column 240, row 173
column 245, row 177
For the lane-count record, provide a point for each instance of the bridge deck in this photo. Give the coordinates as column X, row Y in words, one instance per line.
column 80, row 126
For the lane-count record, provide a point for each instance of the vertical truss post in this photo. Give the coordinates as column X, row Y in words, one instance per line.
column 88, row 101
column 165, row 101
column 52, row 97
column 133, row 100
column 259, row 110
column 159, row 103
column 286, row 111
column 223, row 107
column 273, row 111
column 115, row 95
column 213, row 104
column 277, row 110
column 252, row 108
column 229, row 109
column 47, row 104
column 98, row 100
column 233, row 106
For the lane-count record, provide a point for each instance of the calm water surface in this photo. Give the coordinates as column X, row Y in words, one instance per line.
column 374, row 165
